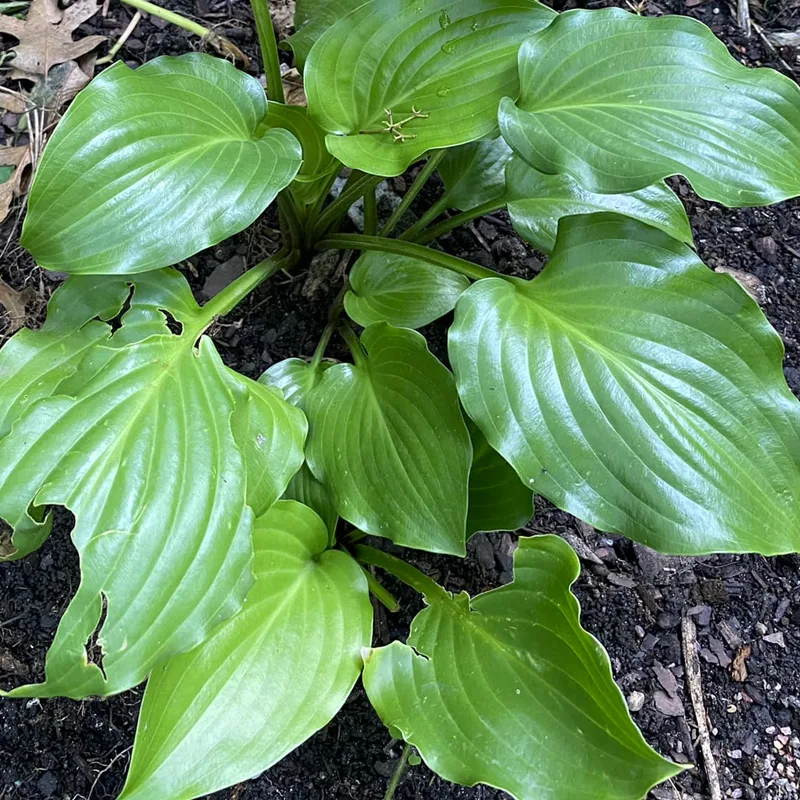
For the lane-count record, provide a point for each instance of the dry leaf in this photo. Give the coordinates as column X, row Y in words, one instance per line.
column 739, row 665
column 293, row 88
column 750, row 283
column 45, row 35
column 12, row 101
column 14, row 304
column 18, row 157
column 282, row 17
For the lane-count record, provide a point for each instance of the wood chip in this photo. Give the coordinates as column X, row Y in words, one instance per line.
column 621, row 580
column 584, row 552
column 693, row 682
column 739, row 665
column 729, row 634
column 667, row 680
column 668, row 706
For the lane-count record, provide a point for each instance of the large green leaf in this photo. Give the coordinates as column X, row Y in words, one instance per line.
column 318, row 163
column 498, row 499
column 311, row 19
column 387, row 435
column 620, row 101
column 140, row 433
column 296, row 378
column 451, row 60
column 638, row 390
column 267, row 678
column 150, row 166
column 474, row 173
column 508, row 690
column 536, row 202
column 402, row 291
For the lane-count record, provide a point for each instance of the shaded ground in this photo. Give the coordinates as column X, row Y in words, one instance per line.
column 632, row 599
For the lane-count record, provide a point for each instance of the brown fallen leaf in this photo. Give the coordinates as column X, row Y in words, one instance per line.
column 18, row 157
column 293, row 88
column 750, row 283
column 45, row 35
column 739, row 665
column 14, row 303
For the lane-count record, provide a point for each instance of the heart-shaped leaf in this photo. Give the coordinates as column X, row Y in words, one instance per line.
column 296, row 378
column 131, row 430
column 638, row 390
column 151, row 165
column 498, row 499
column 474, row 173
column 440, row 67
column 536, row 202
column 387, row 436
column 267, row 678
column 402, row 291
column 508, row 690
column 620, row 101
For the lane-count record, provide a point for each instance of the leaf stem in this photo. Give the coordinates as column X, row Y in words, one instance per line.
column 355, row 241
column 236, row 291
column 370, row 212
column 456, row 221
column 354, row 345
column 398, row 773
column 269, row 49
column 402, row 570
column 380, row 592
column 414, row 190
column 338, row 208
column 170, row 16
column 117, row 46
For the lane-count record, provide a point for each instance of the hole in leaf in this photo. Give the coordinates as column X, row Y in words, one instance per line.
column 94, row 650
column 115, row 323
column 173, row 324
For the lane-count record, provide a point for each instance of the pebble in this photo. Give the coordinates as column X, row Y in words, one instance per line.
column 635, row 701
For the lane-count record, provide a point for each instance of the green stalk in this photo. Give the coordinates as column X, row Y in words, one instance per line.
column 370, row 212
column 344, row 241
column 236, row 291
column 170, row 16
column 414, row 190
column 269, row 50
column 354, row 345
column 380, row 592
column 403, row 571
column 398, row 773
column 436, row 210
column 445, row 226
column 338, row 208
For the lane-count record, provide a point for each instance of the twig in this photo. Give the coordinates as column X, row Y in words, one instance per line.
column 692, row 666
column 743, row 15
column 117, row 46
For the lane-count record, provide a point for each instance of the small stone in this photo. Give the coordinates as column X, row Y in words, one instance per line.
column 669, row 706
column 666, row 621
column 635, row 701
column 621, row 580
column 767, row 248
column 222, row 275
column 776, row 638
column 761, row 628
column 47, row 784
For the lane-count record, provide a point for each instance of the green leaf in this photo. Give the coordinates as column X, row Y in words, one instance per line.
column 402, row 291
column 498, row 500
column 452, row 60
column 536, row 202
column 638, row 390
column 386, row 434
column 295, row 378
column 311, row 19
column 267, row 678
column 474, row 173
column 150, row 166
column 508, row 690
column 133, row 431
column 318, row 163
column 620, row 101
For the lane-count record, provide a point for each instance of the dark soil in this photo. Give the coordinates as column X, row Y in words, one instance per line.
column 633, row 599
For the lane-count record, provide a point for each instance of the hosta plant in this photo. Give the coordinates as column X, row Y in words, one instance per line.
column 227, row 526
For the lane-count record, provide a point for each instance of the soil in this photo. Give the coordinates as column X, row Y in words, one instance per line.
column 633, row 599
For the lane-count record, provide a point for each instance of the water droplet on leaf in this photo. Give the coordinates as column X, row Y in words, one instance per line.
column 444, row 20
column 443, row 91
column 449, row 48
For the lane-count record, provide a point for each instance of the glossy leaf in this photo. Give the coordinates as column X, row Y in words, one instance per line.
column 311, row 19
column 498, row 499
column 267, row 678
column 295, row 378
column 638, row 390
column 386, row 434
column 536, row 202
column 318, row 163
column 131, row 431
column 474, row 173
column 508, row 690
column 452, row 60
column 402, row 291
column 620, row 101
column 151, row 165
